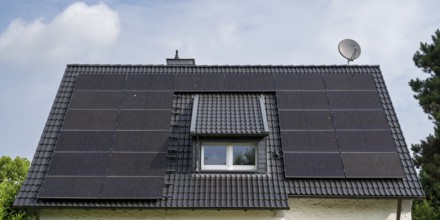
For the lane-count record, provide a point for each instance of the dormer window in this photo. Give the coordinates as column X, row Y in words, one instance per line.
column 229, row 131
column 228, row 156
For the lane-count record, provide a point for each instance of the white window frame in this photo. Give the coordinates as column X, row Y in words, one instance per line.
column 229, row 158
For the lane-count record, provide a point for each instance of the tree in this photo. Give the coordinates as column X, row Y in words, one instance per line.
column 427, row 153
column 12, row 175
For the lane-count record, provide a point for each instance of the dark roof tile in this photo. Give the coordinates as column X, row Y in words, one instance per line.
column 228, row 114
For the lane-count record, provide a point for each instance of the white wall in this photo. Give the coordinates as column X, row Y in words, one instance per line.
column 151, row 214
column 301, row 208
column 347, row 209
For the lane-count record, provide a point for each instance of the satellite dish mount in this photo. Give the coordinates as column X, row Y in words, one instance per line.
column 349, row 49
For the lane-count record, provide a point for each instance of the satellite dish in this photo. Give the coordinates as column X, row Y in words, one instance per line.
column 349, row 49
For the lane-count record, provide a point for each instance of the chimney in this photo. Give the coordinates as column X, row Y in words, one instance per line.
column 177, row 61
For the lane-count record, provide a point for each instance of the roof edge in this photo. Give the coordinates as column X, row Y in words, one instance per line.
column 356, row 197
column 239, row 65
column 150, row 208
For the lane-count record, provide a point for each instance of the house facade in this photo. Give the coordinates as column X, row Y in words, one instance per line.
column 186, row 141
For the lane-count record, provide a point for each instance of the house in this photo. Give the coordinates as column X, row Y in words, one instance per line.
column 186, row 141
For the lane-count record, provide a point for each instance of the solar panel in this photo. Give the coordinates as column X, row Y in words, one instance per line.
column 305, row 120
column 71, row 187
column 366, row 141
column 150, row 82
column 302, row 100
column 372, row 165
column 249, row 82
column 95, row 100
column 141, row 141
column 299, row 82
column 85, row 141
column 90, row 119
column 318, row 141
column 147, row 100
column 137, row 164
column 133, row 188
column 79, row 164
column 360, row 120
column 354, row 100
column 313, row 165
column 144, row 120
column 349, row 82
column 200, row 82
column 100, row 82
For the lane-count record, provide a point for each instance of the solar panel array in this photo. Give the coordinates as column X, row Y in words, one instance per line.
column 334, row 126
column 114, row 139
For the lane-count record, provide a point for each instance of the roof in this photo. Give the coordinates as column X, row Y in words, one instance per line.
column 185, row 189
column 229, row 114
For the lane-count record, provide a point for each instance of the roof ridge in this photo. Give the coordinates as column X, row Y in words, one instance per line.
column 239, row 65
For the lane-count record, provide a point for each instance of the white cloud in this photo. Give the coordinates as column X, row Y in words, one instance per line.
column 80, row 32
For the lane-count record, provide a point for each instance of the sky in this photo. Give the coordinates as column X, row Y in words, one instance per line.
column 38, row 39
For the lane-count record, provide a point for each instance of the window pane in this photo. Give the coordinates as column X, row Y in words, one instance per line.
column 244, row 155
column 214, row 155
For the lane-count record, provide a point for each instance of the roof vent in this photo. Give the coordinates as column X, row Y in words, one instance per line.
column 177, row 61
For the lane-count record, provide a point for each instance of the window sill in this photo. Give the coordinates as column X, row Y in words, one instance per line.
column 228, row 171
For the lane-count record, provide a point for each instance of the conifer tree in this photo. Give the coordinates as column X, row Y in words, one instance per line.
column 427, row 153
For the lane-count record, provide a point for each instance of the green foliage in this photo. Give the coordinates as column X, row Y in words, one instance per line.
column 422, row 211
column 427, row 153
column 428, row 90
column 427, row 156
column 428, row 208
column 12, row 175
column 427, row 57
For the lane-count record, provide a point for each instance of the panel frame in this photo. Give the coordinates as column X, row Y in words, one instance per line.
column 287, row 137
column 157, row 136
column 133, row 100
column 322, row 120
column 367, row 138
column 299, row 82
column 364, row 119
column 373, row 159
column 89, row 81
column 89, row 140
column 302, row 100
column 137, row 164
column 299, row 160
column 80, row 164
column 90, row 120
column 150, row 82
column 92, row 99
column 353, row 81
column 135, row 120
column 79, row 185
column 356, row 100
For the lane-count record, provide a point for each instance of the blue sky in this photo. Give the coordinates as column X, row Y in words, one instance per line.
column 38, row 38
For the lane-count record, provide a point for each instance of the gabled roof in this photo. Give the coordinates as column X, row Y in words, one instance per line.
column 185, row 189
